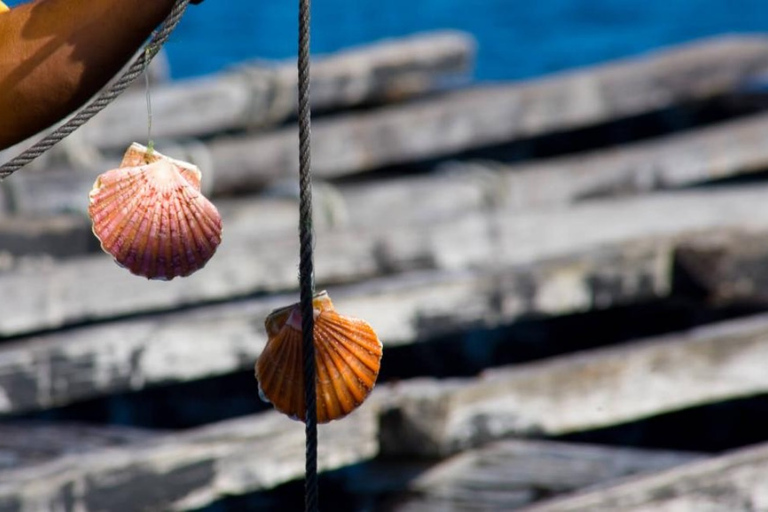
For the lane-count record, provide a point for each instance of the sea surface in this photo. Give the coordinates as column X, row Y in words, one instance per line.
column 516, row 39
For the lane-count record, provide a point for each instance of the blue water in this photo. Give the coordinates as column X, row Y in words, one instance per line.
column 516, row 39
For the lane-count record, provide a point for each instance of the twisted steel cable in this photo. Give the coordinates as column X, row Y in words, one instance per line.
column 306, row 263
column 306, row 235
column 105, row 98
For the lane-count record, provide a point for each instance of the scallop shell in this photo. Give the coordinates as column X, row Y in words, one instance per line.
column 347, row 357
column 150, row 215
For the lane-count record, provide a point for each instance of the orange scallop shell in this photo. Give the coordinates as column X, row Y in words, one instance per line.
column 347, row 356
column 150, row 215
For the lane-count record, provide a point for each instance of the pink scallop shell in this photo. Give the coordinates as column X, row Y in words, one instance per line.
column 347, row 356
column 150, row 215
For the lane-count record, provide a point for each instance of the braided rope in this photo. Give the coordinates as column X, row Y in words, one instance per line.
column 105, row 98
column 306, row 264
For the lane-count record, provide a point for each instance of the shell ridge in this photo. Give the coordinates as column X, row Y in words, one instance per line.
column 339, row 342
column 197, row 223
column 188, row 256
column 325, row 391
column 120, row 228
column 279, row 364
column 345, row 395
column 137, row 155
column 294, row 387
column 192, row 176
column 110, row 178
column 209, row 215
column 146, row 263
column 368, row 353
column 266, row 370
column 204, row 243
column 357, row 377
column 177, row 246
column 151, row 262
column 335, row 364
column 99, row 211
column 194, row 257
column 279, row 372
column 202, row 224
column 353, row 371
column 164, row 258
column 204, row 213
column 126, row 240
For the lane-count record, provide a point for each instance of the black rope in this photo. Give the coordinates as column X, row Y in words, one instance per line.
column 105, row 98
column 306, row 264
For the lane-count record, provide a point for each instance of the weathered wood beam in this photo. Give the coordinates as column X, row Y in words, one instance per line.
column 727, row 149
column 724, row 150
column 187, row 470
column 55, row 294
column 734, row 482
column 581, row 391
column 58, row 236
column 699, row 155
column 455, row 122
column 259, row 95
column 58, row 368
column 508, row 474
column 190, row 469
column 459, row 121
column 729, row 268
column 24, row 444
column 62, row 367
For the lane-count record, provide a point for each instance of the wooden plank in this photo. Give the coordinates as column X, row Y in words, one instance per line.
column 728, row 268
column 580, row 392
column 699, row 155
column 51, row 295
column 511, row 473
column 727, row 149
column 480, row 117
column 58, row 236
column 455, row 122
column 259, row 95
column 58, row 368
column 189, row 469
column 724, row 150
column 734, row 482
column 26, row 444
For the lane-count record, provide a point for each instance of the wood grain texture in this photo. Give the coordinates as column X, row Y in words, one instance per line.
column 727, row 269
column 733, row 482
column 509, row 474
column 57, row 368
column 255, row 95
column 700, row 155
column 52, row 294
column 485, row 116
column 581, row 391
column 186, row 470
column 25, row 443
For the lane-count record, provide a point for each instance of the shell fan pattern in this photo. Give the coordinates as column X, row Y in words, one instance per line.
column 150, row 215
column 347, row 355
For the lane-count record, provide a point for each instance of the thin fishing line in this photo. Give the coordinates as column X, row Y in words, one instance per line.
column 148, row 92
